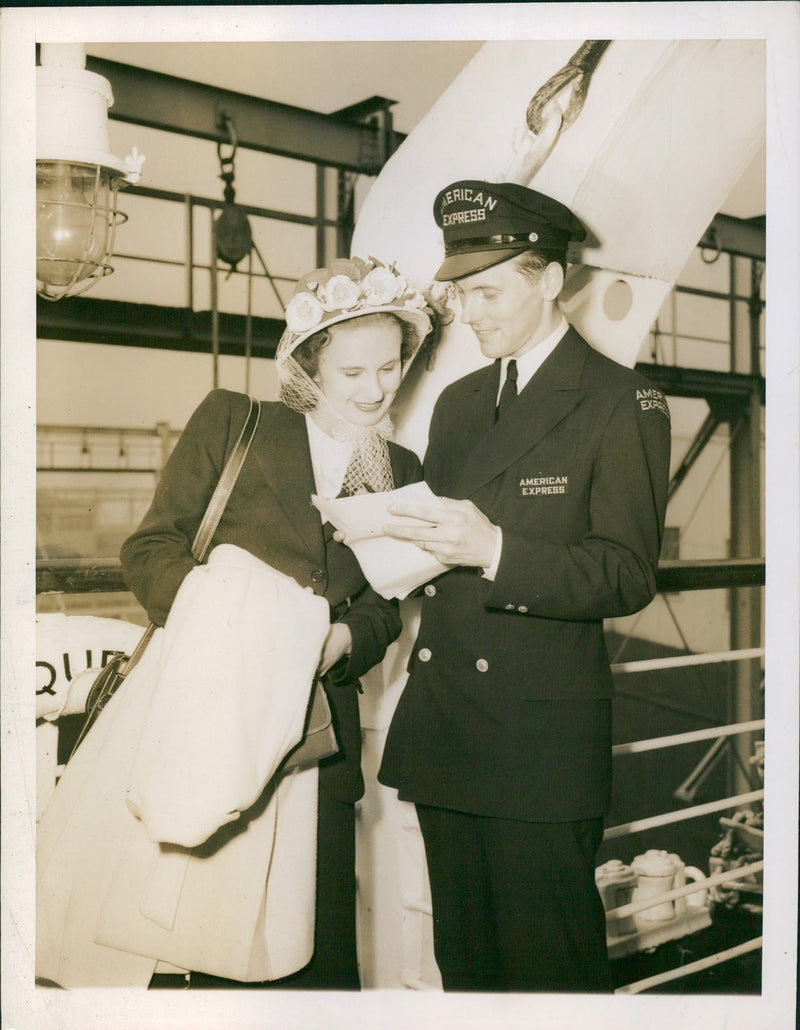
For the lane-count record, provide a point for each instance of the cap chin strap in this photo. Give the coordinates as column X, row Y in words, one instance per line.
column 544, row 239
column 485, row 242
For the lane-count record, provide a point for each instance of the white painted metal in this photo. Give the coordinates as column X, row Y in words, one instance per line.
column 729, row 876
column 682, row 660
column 692, row 967
column 67, row 645
column 679, row 816
column 666, row 130
column 690, row 737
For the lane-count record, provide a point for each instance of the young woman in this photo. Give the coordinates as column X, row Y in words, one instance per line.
column 351, row 332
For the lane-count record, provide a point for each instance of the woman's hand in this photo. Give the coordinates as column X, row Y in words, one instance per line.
column 338, row 643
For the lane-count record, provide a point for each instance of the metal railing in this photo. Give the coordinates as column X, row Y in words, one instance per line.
column 103, row 574
column 725, row 878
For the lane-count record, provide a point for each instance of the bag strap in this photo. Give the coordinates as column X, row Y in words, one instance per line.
column 213, row 514
column 223, row 489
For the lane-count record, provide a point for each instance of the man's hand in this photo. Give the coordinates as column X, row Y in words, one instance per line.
column 455, row 532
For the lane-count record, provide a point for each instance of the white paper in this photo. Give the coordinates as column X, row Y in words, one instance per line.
column 393, row 567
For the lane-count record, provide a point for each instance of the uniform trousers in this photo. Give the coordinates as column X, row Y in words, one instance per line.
column 515, row 907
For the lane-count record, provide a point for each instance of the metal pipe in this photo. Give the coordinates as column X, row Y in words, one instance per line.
column 680, row 660
column 687, row 791
column 154, row 193
column 198, row 267
column 214, row 308
column 165, row 433
column 248, row 332
column 697, row 291
column 320, row 207
column 692, row 967
column 636, row 747
column 695, row 449
column 52, row 427
column 623, row 829
column 726, row 876
column 96, row 468
column 189, row 252
column 731, row 298
column 756, row 305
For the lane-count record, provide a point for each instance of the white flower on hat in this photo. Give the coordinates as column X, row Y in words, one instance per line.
column 381, row 286
column 303, row 312
column 414, row 299
column 440, row 292
column 339, row 293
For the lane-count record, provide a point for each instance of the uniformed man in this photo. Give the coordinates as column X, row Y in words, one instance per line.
column 552, row 468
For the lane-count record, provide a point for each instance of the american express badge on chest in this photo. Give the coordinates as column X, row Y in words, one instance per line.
column 543, row 486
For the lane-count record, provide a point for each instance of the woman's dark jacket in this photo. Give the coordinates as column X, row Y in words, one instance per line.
column 270, row 515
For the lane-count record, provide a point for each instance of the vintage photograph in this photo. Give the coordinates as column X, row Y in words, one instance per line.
column 400, row 515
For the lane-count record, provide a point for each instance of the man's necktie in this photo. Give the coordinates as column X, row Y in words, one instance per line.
column 509, row 392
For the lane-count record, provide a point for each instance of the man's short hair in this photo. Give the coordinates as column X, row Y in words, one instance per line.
column 531, row 263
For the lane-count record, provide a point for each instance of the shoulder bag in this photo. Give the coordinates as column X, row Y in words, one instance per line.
column 113, row 675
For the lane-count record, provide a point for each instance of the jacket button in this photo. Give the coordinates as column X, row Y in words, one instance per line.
column 430, row 590
column 317, row 576
column 482, row 665
column 510, row 608
column 522, row 609
column 424, row 654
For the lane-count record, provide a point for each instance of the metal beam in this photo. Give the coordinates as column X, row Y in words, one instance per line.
column 704, row 434
column 746, row 237
column 701, row 382
column 196, row 109
column 79, row 576
column 712, row 574
column 84, row 575
column 746, row 698
column 88, row 320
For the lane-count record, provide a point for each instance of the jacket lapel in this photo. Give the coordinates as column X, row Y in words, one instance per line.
column 483, row 406
column 281, row 449
column 550, row 395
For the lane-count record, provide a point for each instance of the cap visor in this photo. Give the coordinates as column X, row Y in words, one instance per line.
column 460, row 265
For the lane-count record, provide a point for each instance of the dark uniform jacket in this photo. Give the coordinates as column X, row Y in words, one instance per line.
column 269, row 514
column 507, row 709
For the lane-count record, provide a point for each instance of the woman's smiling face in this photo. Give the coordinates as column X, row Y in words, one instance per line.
column 360, row 369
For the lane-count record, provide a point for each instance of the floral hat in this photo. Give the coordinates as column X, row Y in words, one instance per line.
column 348, row 289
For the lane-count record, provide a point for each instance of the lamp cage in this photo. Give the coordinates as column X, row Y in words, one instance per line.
column 77, row 177
column 76, row 221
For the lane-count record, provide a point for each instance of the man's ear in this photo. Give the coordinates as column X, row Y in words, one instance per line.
column 552, row 280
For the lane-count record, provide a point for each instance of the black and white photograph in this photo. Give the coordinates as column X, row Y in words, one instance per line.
column 400, row 515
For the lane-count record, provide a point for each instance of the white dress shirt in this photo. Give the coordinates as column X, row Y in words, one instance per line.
column 329, row 460
column 528, row 364
column 531, row 361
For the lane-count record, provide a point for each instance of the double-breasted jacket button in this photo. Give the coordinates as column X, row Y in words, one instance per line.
column 317, row 576
column 430, row 590
column 522, row 608
column 424, row 654
column 482, row 665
